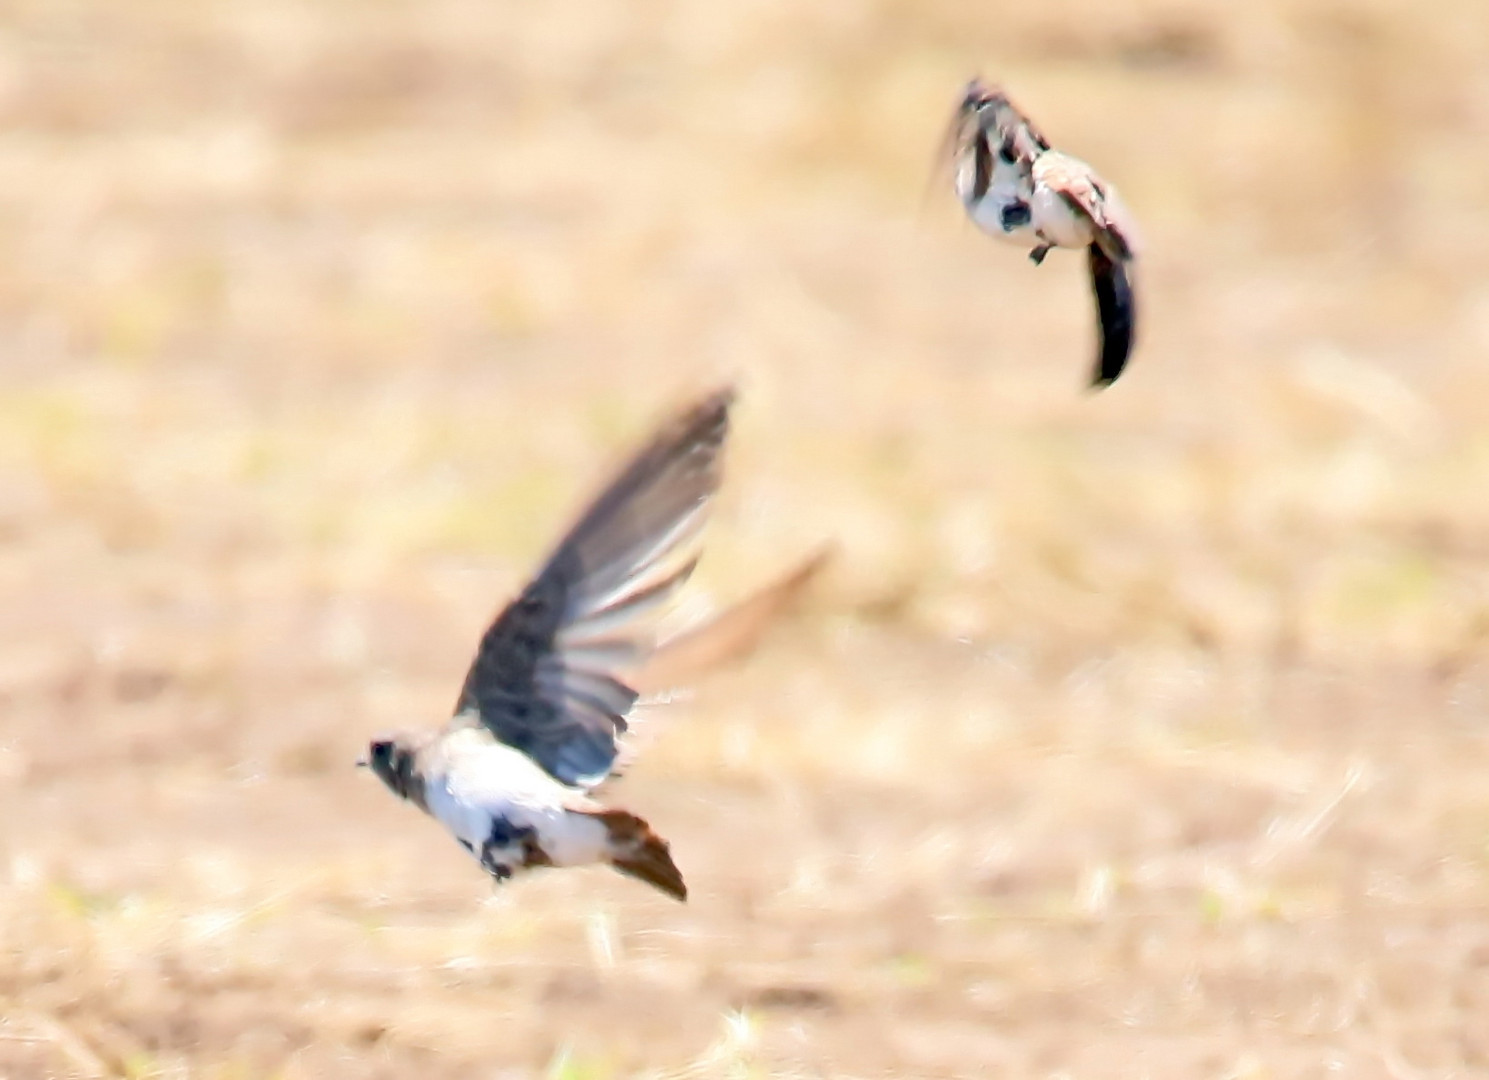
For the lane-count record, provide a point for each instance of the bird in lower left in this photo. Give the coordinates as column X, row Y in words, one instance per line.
column 538, row 724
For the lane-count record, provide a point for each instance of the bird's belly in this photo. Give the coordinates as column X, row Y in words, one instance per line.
column 520, row 840
column 509, row 816
column 571, row 839
column 1057, row 223
column 1000, row 217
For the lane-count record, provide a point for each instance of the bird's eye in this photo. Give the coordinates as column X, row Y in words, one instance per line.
column 1006, row 154
column 381, row 750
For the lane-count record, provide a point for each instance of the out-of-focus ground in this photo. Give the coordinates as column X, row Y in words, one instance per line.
column 1137, row 735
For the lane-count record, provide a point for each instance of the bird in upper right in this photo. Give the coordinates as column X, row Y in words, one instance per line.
column 1017, row 187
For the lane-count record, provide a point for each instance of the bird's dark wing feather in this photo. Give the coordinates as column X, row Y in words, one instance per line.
column 544, row 679
column 1116, row 312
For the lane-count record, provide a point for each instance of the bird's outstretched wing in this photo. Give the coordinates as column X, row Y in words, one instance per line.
column 959, row 137
column 717, row 641
column 733, row 633
column 544, row 679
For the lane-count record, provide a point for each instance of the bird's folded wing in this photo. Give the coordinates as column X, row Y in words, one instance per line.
column 544, row 679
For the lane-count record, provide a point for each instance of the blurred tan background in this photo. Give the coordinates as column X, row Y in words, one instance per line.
column 1137, row 735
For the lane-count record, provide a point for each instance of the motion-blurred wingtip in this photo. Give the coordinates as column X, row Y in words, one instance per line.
column 734, row 633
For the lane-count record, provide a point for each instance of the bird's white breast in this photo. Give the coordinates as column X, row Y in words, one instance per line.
column 485, row 780
column 1009, row 185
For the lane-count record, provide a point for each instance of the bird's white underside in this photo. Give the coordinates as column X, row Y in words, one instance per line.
column 485, row 780
column 1051, row 219
column 1009, row 184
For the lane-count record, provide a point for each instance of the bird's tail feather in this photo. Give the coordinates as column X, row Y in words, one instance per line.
column 638, row 852
column 1116, row 314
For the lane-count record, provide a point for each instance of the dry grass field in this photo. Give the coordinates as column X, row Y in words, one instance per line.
column 1134, row 735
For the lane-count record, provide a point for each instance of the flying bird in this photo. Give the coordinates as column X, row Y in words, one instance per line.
column 1015, row 186
column 538, row 723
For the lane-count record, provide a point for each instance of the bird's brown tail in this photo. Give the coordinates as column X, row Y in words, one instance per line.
column 638, row 852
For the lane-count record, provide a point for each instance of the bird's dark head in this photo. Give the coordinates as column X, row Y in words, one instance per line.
column 391, row 757
column 984, row 100
column 974, row 94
